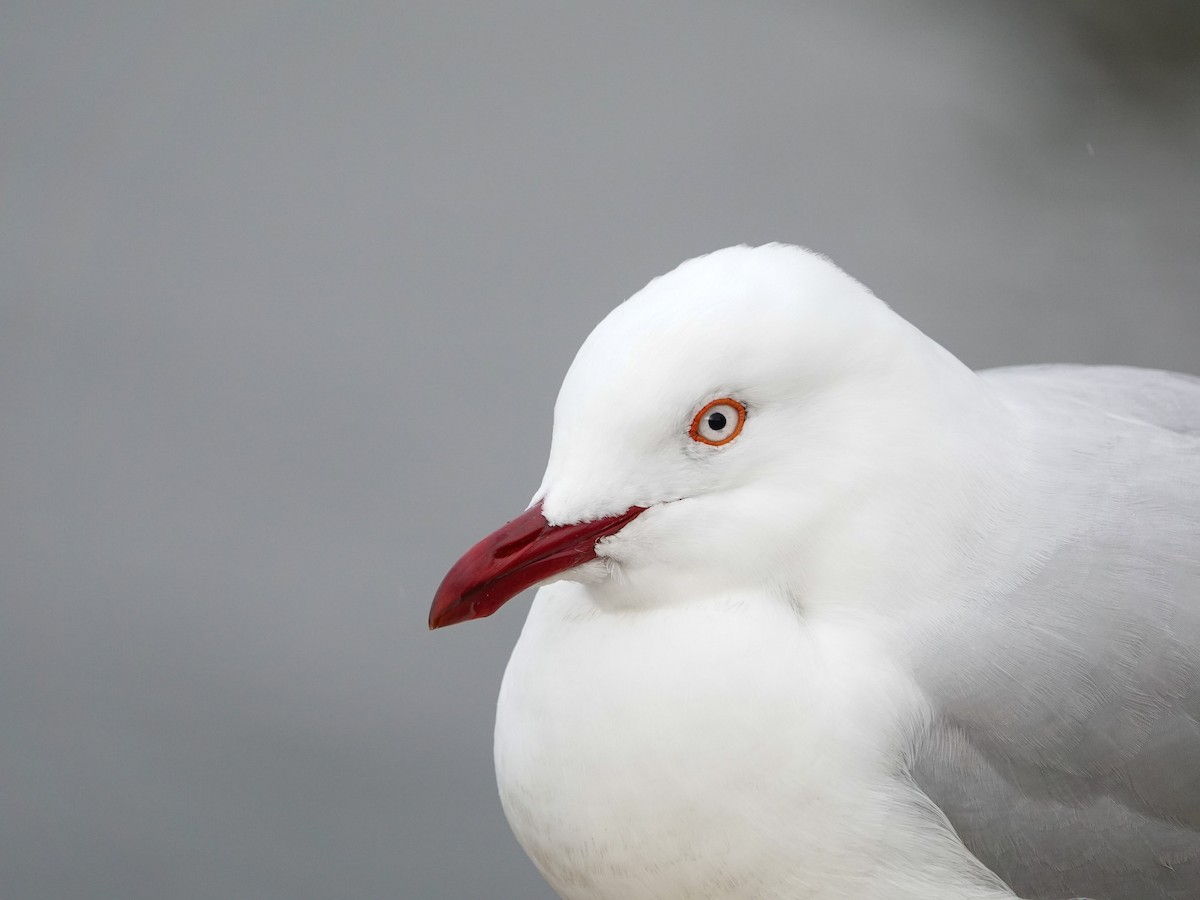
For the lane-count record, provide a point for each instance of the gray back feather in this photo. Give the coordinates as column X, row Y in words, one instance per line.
column 1067, row 748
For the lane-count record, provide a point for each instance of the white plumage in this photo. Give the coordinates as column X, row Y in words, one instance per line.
column 918, row 633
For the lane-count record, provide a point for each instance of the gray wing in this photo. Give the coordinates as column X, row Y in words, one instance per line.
column 1067, row 749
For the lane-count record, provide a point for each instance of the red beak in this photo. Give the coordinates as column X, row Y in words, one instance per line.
column 516, row 556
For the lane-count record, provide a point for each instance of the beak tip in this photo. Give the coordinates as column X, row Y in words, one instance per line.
column 441, row 612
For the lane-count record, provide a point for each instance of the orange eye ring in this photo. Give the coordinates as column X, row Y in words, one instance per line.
column 704, row 430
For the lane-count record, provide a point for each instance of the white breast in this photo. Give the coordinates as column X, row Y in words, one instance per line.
column 735, row 751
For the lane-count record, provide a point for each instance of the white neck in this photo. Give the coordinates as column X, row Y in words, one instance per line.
column 735, row 751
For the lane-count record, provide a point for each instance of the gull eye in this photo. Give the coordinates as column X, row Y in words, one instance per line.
column 718, row 422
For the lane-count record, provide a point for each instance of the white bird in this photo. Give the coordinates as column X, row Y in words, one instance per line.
column 836, row 617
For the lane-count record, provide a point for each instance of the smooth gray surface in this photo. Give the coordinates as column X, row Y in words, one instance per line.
column 287, row 295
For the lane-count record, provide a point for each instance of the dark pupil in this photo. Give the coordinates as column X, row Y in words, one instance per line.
column 716, row 421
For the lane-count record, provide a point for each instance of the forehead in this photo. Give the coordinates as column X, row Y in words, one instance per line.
column 735, row 317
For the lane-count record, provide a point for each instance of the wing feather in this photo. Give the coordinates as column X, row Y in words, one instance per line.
column 1067, row 747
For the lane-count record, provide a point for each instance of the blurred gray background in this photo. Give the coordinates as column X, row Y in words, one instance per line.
column 287, row 292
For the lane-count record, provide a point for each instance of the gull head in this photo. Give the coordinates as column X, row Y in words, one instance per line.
column 712, row 432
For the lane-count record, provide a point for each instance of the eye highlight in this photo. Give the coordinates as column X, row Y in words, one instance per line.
column 719, row 422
